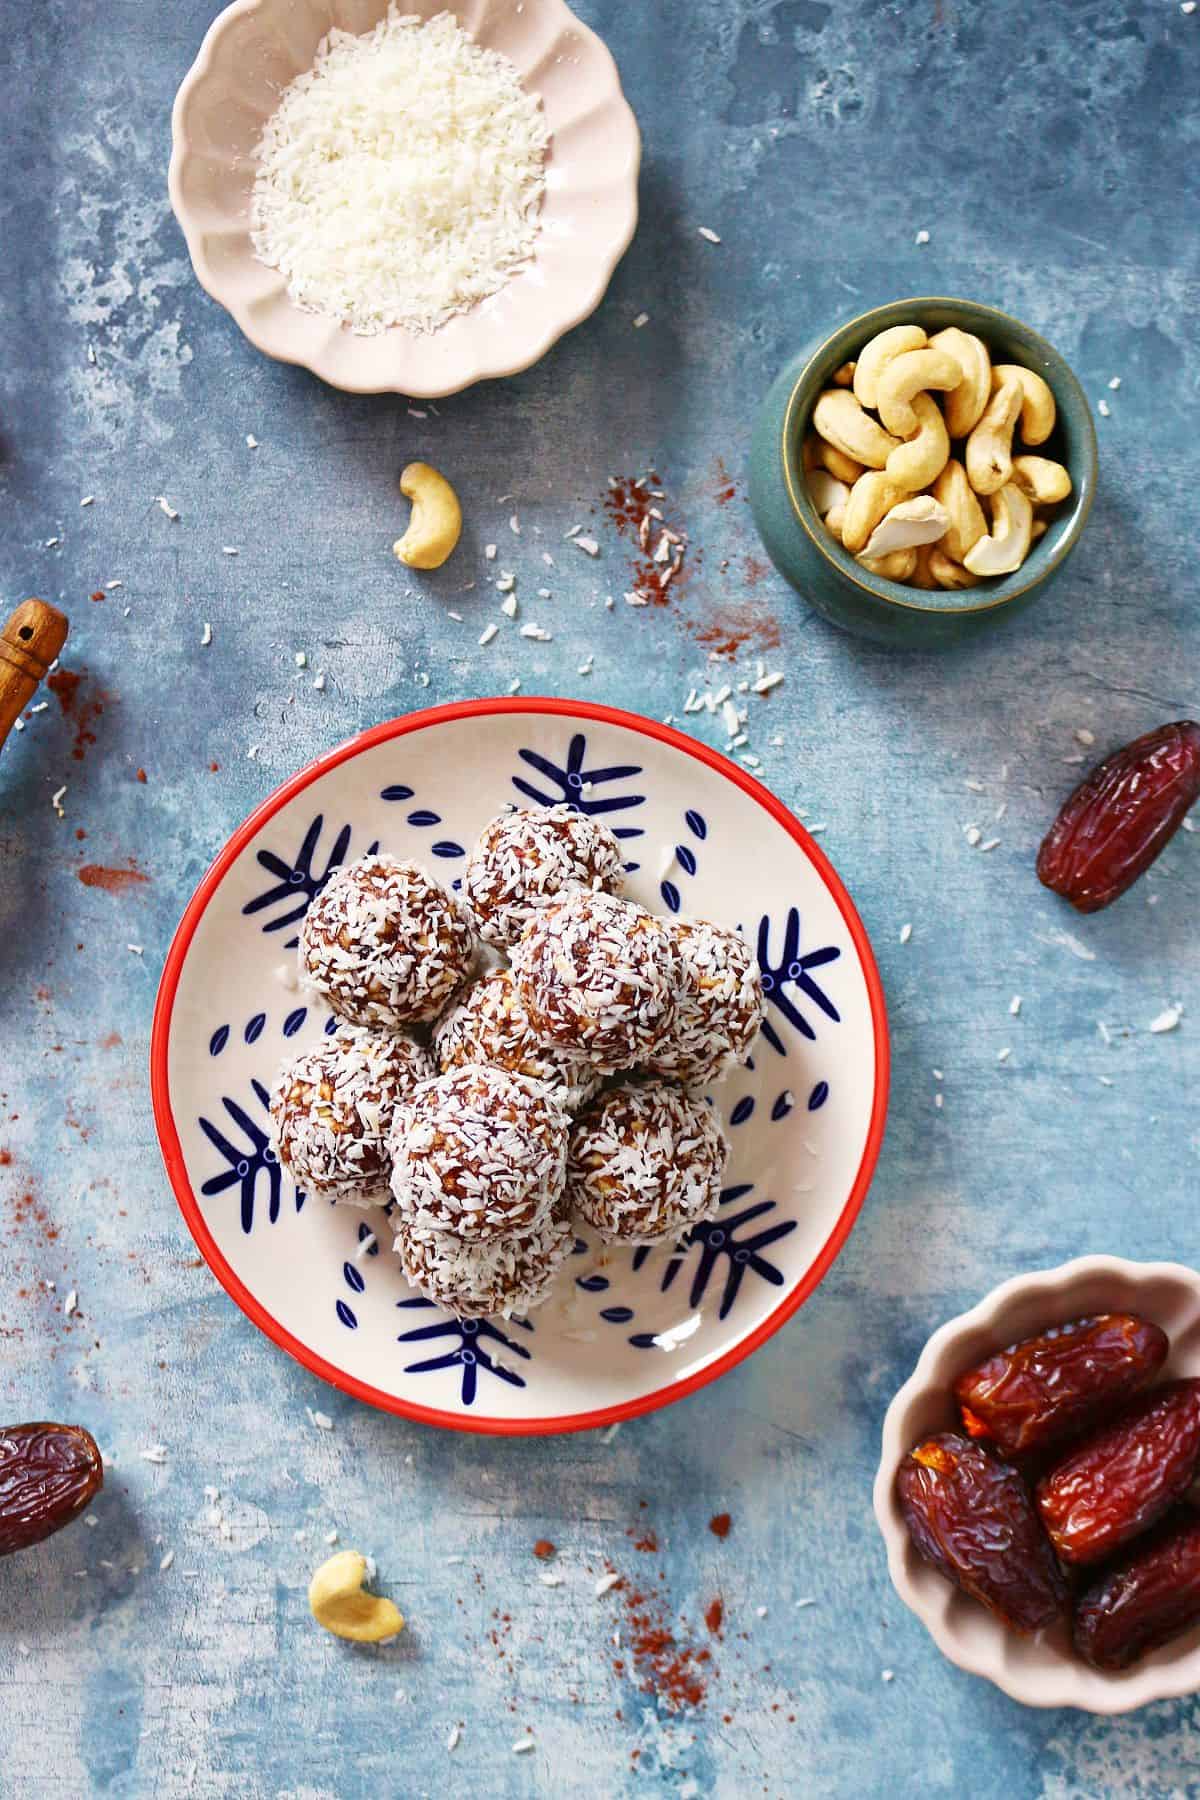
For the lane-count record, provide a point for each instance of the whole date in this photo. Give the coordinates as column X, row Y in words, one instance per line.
column 1149, row 1598
column 48, row 1474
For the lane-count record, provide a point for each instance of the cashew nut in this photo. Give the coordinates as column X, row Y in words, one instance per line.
column 967, row 523
column 1038, row 411
column 875, row 356
column 896, row 567
column 340, row 1603
column 838, row 463
column 1012, row 529
column 989, row 447
column 911, row 522
column 922, row 575
column 809, row 457
column 436, row 522
column 948, row 573
column 912, row 373
column 1045, row 482
column 1040, row 528
column 871, row 496
column 834, row 520
column 826, row 491
column 965, row 403
column 921, row 460
column 842, row 422
column 844, row 376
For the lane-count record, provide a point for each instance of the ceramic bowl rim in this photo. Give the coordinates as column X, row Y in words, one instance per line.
column 1079, row 1686
column 172, row 1151
column 276, row 345
column 942, row 603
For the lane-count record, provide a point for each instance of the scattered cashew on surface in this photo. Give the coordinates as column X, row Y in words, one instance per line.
column 341, row 1604
column 436, row 523
column 917, row 458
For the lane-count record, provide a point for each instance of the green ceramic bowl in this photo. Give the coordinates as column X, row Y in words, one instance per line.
column 827, row 575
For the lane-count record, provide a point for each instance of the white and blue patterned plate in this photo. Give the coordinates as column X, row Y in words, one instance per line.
column 625, row 1331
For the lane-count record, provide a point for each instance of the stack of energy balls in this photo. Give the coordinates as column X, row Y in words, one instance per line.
column 490, row 1100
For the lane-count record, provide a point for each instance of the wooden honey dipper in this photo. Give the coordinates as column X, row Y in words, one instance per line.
column 29, row 643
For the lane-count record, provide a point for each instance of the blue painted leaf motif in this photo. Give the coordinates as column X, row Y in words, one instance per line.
column 793, row 969
column 818, row 1097
column 345, row 1314
column 294, row 1021
column 353, row 1278
column 254, row 1028
column 670, row 894
column 642, row 1340
column 218, row 1040
column 447, row 848
column 719, row 1243
column 365, row 1232
column 397, row 792
column 297, row 883
column 742, row 1110
column 424, row 817
column 577, row 784
column 331, row 1024
column 467, row 1338
column 592, row 1284
column 617, row 1315
column 246, row 1163
column 783, row 1105
column 685, row 858
column 696, row 824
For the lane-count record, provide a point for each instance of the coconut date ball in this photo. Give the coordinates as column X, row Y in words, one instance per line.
column 720, row 1007
column 646, row 1162
column 477, row 1281
column 528, row 858
column 332, row 1109
column 598, row 975
column 384, row 943
column 479, row 1152
column 488, row 1025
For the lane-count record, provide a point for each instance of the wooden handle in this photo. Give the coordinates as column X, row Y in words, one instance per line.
column 29, row 643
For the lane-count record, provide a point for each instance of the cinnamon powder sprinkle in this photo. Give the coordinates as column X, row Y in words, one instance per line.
column 719, row 1525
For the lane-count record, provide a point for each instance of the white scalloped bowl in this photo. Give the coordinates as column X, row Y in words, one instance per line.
column 1042, row 1670
column 256, row 47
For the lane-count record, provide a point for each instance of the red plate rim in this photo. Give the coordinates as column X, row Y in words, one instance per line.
column 172, row 1152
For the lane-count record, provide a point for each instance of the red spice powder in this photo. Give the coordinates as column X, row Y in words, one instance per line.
column 98, row 595
column 5, row 1158
column 141, row 775
column 213, row 767
column 719, row 1525
column 83, row 709
column 637, row 507
column 676, row 1673
column 726, row 630
column 113, row 881
column 543, row 1549
column 714, row 1616
column 648, row 1543
column 725, row 488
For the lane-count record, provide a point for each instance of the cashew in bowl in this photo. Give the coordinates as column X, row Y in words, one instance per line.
column 875, row 356
column 899, row 566
column 965, row 403
column 844, row 377
column 948, row 573
column 913, row 373
column 342, row 1605
column 827, row 491
column 1007, row 546
column 833, row 521
column 820, row 455
column 967, row 523
column 436, row 522
column 922, row 575
column 1038, row 411
column 918, row 462
column 906, row 525
column 871, row 496
column 989, row 447
column 1045, row 482
column 841, row 421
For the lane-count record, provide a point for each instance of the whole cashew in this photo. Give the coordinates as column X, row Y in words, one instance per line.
column 948, row 573
column 965, row 403
column 838, row 463
column 871, row 496
column 1012, row 529
column 967, row 523
column 844, row 377
column 1038, row 411
column 875, row 356
column 340, row 1603
column 912, row 373
column 897, row 567
column 922, row 575
column 436, row 522
column 907, row 525
column 989, row 447
column 921, row 460
column 826, row 491
column 842, row 422
column 1045, row 482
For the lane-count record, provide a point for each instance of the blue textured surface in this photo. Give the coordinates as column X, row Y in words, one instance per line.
column 1050, row 151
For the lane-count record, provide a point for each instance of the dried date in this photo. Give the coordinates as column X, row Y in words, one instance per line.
column 1149, row 1598
column 1047, row 1388
column 48, row 1474
column 1121, row 816
column 1125, row 1477
column 971, row 1516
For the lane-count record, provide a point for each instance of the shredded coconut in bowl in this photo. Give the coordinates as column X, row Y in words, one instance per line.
column 400, row 179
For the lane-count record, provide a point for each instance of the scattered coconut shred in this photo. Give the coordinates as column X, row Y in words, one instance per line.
column 400, row 178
